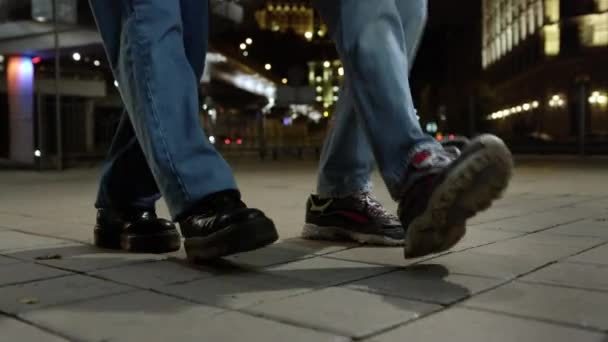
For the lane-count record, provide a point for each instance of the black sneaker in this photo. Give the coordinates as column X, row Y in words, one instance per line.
column 135, row 230
column 444, row 189
column 223, row 225
column 359, row 218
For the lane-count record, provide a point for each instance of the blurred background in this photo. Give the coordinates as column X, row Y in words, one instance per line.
column 534, row 72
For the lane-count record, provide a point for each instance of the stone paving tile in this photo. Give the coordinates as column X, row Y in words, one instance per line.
column 152, row 275
column 145, row 316
column 598, row 255
column 520, row 205
column 487, row 264
column 25, row 272
column 559, row 304
column 34, row 295
column 14, row 330
column 8, row 261
column 390, row 256
column 538, row 221
column 326, row 271
column 597, row 227
column 541, row 245
column 460, row 324
column 599, row 203
column 344, row 311
column 497, row 214
column 237, row 291
column 15, row 221
column 285, row 251
column 69, row 230
column 84, row 258
column 11, row 241
column 429, row 283
column 587, row 276
column 480, row 236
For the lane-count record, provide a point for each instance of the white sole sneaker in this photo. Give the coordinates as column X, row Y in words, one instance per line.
column 315, row 232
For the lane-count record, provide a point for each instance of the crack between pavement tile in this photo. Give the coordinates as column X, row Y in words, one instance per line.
column 37, row 326
column 537, row 319
column 572, row 204
column 506, row 282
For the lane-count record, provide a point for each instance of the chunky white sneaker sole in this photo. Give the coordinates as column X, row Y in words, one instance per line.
column 315, row 232
column 478, row 177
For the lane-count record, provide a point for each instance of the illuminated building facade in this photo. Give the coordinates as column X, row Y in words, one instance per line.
column 545, row 63
column 296, row 16
column 325, row 77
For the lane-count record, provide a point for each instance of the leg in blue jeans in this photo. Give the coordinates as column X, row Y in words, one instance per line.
column 375, row 111
column 346, row 159
column 157, row 50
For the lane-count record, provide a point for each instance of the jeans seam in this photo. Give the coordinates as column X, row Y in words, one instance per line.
column 154, row 108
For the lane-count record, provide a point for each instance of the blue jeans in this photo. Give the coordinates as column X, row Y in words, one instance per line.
column 157, row 51
column 375, row 118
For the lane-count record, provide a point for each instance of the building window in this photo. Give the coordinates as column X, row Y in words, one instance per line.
column 552, row 40
column 594, row 30
column 552, row 13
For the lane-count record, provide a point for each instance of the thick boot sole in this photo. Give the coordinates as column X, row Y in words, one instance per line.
column 469, row 188
column 163, row 242
column 231, row 240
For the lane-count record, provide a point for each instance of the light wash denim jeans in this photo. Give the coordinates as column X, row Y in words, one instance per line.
column 157, row 51
column 375, row 118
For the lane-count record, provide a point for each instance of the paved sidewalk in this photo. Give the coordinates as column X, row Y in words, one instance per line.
column 534, row 268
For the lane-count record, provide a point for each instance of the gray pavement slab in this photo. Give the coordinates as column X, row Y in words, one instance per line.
column 286, row 251
column 585, row 276
column 596, row 227
column 77, row 231
column 477, row 236
column 484, row 264
column 83, row 258
column 7, row 261
column 14, row 330
column 146, row 316
column 389, row 256
column 34, row 295
column 428, row 283
column 326, row 271
column 344, row 311
column 460, row 324
column 238, row 291
column 538, row 221
column 545, row 246
column 549, row 285
column 598, row 255
column 151, row 275
column 25, row 272
column 583, row 308
column 11, row 241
